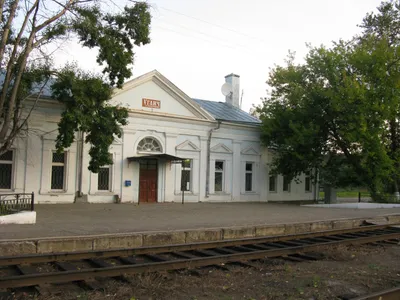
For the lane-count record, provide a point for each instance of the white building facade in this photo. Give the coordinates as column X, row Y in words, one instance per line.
column 224, row 160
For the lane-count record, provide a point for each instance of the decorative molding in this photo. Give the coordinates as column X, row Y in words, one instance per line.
column 171, row 135
column 221, row 148
column 117, row 141
column 127, row 130
column 187, row 146
column 250, row 151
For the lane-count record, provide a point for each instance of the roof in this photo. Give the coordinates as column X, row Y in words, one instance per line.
column 37, row 87
column 226, row 112
column 219, row 110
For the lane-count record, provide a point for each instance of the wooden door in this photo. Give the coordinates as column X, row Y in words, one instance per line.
column 148, row 181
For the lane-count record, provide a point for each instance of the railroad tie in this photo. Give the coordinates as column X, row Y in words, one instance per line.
column 114, row 263
column 92, row 284
column 103, row 264
column 43, row 289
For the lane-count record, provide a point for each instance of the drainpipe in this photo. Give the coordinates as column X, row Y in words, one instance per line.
column 80, row 165
column 26, row 158
column 208, row 158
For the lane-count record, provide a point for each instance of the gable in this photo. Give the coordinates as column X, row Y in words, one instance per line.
column 249, row 151
column 187, row 146
column 221, row 148
column 154, row 93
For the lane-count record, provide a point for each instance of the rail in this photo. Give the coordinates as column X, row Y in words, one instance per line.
column 13, row 203
column 116, row 263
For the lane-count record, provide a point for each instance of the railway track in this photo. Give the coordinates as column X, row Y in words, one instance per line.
column 390, row 294
column 42, row 270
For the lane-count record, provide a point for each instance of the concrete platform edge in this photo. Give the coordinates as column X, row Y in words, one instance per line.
column 142, row 239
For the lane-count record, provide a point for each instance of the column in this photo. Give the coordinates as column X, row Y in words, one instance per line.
column 237, row 171
column 169, row 183
column 203, row 167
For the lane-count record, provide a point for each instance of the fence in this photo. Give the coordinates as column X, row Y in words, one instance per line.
column 13, row 203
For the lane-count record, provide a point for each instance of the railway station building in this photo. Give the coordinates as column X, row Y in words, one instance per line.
column 211, row 149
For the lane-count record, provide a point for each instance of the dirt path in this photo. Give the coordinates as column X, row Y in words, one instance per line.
column 345, row 272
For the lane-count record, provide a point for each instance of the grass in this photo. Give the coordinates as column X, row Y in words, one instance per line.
column 348, row 194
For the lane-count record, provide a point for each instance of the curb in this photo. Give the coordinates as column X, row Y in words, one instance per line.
column 144, row 239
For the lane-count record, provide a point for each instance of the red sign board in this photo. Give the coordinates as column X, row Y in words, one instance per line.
column 151, row 103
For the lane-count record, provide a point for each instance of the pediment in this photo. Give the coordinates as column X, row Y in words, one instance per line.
column 221, row 148
column 154, row 93
column 188, row 146
column 249, row 151
column 117, row 141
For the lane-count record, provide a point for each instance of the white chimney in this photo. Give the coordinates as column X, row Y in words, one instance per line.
column 234, row 97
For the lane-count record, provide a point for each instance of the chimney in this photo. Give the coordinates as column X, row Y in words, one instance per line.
column 234, row 97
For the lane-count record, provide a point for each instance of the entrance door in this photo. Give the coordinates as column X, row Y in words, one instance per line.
column 148, row 181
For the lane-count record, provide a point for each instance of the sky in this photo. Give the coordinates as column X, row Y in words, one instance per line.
column 195, row 43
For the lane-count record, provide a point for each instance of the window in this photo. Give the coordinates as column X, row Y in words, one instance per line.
column 58, row 171
column 249, row 177
column 272, row 183
column 186, row 175
column 286, row 184
column 308, row 182
column 6, row 170
column 219, row 176
column 103, row 179
column 149, row 145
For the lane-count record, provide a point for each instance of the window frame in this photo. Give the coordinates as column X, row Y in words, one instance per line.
column 64, row 164
column 251, row 172
column 222, row 172
column 275, row 184
column 289, row 183
column 188, row 169
column 149, row 140
column 109, row 180
column 307, row 181
column 111, row 171
column 12, row 163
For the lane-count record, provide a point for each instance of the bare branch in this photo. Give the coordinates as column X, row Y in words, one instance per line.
column 10, row 65
column 55, row 17
column 23, row 59
column 1, row 10
column 6, row 30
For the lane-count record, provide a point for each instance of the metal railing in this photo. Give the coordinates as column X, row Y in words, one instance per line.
column 13, row 203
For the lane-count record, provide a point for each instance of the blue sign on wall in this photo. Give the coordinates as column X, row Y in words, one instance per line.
column 128, row 183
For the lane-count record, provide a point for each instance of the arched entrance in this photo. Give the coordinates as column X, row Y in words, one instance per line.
column 148, row 170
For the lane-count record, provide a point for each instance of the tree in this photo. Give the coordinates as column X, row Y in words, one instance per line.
column 340, row 108
column 28, row 28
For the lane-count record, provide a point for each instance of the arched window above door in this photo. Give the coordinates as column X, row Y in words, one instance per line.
column 149, row 144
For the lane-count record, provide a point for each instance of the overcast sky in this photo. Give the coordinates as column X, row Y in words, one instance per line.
column 195, row 43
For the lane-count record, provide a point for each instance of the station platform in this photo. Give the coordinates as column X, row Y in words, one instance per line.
column 78, row 227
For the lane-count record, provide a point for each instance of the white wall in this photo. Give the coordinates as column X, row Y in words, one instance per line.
column 23, row 217
column 179, row 136
column 297, row 189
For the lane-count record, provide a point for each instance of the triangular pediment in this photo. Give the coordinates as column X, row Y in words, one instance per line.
column 117, row 141
column 249, row 151
column 154, row 93
column 187, row 146
column 221, row 148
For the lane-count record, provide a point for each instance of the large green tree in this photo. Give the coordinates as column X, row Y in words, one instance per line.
column 339, row 110
column 29, row 31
